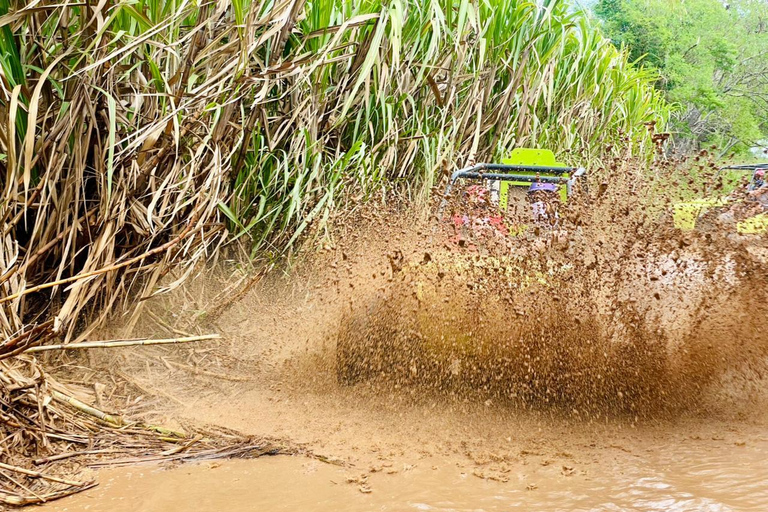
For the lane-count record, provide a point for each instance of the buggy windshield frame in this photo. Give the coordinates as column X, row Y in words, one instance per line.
column 478, row 172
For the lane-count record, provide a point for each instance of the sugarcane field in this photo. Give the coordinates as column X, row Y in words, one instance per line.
column 413, row 255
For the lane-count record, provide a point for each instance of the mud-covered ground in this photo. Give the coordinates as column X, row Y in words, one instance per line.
column 616, row 366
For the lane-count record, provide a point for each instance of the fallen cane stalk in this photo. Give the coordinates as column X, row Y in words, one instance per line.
column 172, row 435
column 19, row 501
column 37, row 474
column 127, row 343
column 21, row 486
column 116, row 421
column 183, row 447
column 62, row 456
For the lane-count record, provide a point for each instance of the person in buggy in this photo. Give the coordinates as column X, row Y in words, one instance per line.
column 476, row 219
column 759, row 194
column 748, row 200
column 545, row 203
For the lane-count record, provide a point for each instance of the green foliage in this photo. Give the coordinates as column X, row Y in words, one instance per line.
column 294, row 108
column 711, row 59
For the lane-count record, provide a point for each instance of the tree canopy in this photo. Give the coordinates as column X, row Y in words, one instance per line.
column 713, row 59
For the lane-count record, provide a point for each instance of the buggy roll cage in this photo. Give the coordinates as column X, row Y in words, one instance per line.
column 497, row 173
column 741, row 167
column 745, row 167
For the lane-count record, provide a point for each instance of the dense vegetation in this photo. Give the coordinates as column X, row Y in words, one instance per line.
column 149, row 132
column 711, row 56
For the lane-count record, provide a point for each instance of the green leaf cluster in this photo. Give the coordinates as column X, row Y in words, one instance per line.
column 713, row 60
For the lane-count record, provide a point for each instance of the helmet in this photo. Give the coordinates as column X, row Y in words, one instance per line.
column 544, row 187
column 759, row 173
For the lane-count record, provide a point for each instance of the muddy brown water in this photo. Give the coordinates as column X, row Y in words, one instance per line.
column 401, row 455
column 696, row 475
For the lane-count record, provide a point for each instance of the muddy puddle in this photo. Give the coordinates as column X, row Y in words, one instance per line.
column 697, row 475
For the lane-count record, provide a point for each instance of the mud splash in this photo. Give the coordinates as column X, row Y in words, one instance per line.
column 614, row 312
column 613, row 365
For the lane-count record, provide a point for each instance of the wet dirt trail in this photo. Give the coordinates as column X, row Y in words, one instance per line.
column 392, row 445
column 691, row 475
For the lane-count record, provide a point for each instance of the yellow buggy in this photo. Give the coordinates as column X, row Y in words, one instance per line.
column 740, row 209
